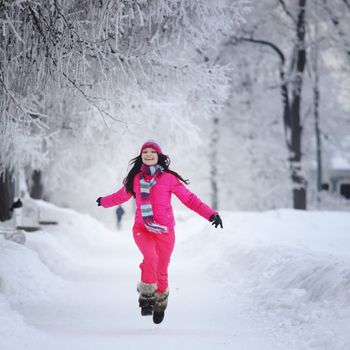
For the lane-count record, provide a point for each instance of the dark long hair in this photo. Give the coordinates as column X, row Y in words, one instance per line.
column 136, row 163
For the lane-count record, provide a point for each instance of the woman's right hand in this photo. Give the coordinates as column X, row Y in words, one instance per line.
column 98, row 200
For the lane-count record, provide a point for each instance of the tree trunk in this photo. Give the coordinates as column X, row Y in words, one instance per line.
column 298, row 179
column 6, row 196
column 316, row 105
column 213, row 164
column 292, row 104
column 36, row 186
column 291, row 108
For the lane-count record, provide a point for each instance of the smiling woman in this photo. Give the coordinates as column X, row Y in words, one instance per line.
column 149, row 156
column 152, row 183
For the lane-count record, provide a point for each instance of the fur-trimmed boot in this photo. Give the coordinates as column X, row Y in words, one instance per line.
column 160, row 305
column 146, row 297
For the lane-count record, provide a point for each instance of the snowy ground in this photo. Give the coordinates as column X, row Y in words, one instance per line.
column 273, row 280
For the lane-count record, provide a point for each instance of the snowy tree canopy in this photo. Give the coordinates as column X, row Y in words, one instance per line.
column 74, row 64
column 268, row 88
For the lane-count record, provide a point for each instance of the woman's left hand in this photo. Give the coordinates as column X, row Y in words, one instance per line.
column 216, row 220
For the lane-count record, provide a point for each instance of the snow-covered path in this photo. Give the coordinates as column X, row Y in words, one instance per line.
column 274, row 280
column 98, row 309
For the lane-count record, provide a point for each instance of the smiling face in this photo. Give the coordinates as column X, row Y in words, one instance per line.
column 149, row 156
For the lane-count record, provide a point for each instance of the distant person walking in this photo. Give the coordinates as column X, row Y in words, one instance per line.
column 152, row 183
column 119, row 213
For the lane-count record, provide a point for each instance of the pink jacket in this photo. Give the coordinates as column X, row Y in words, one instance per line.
column 160, row 199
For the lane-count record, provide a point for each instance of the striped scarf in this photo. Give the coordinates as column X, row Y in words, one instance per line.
column 146, row 206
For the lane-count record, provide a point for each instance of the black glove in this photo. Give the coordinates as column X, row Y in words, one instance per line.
column 216, row 219
column 98, row 200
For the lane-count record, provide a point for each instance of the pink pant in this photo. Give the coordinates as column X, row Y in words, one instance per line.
column 156, row 250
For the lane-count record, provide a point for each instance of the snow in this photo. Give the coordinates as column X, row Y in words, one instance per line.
column 269, row 280
column 340, row 163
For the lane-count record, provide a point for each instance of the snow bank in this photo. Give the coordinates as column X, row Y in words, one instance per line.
column 23, row 278
column 33, row 270
column 67, row 247
column 75, row 230
column 14, row 332
column 292, row 268
column 36, row 271
column 23, row 275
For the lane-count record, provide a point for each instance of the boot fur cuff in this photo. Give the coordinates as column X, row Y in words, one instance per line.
column 147, row 289
column 162, row 295
column 161, row 301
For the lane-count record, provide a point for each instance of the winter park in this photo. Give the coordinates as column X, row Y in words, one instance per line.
column 175, row 173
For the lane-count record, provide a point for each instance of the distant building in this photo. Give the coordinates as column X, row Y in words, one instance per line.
column 336, row 178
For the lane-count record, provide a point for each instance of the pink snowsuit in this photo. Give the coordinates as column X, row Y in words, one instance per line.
column 157, row 248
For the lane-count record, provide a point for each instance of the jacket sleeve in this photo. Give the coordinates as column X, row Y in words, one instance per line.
column 116, row 198
column 190, row 199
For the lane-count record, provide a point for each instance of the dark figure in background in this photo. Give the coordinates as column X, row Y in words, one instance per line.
column 119, row 212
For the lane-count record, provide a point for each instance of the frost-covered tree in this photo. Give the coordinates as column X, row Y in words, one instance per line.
column 282, row 34
column 253, row 171
column 68, row 67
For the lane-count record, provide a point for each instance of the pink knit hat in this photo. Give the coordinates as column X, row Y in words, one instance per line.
column 153, row 144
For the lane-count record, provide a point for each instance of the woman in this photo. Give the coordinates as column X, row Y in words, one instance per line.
column 152, row 183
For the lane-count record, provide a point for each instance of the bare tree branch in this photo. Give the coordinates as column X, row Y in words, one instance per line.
column 347, row 3
column 284, row 84
column 285, row 8
column 70, row 80
column 32, row 115
column 336, row 22
column 273, row 46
